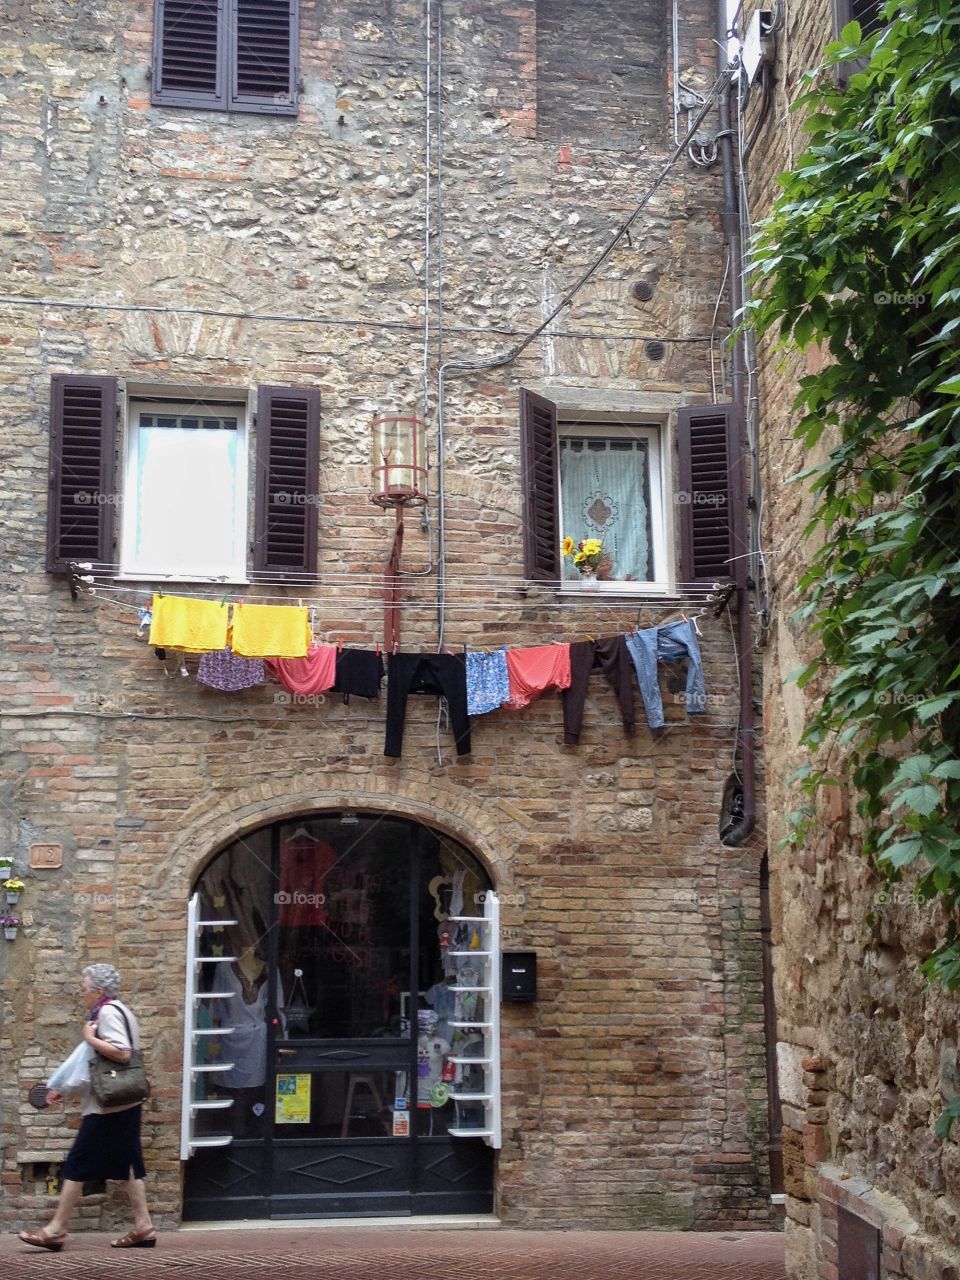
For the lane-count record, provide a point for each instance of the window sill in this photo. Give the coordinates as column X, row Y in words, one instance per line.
column 225, row 580
column 632, row 590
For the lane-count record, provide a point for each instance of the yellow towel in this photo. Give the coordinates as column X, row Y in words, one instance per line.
column 270, row 631
column 194, row 626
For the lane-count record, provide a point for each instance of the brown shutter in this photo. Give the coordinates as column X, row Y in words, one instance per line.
column 189, row 55
column 81, row 499
column 541, row 507
column 288, row 480
column 707, row 451
column 264, row 56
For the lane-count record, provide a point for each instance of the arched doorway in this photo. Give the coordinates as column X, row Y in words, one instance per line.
column 330, row 1027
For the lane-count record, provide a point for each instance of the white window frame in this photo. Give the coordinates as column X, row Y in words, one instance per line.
column 606, row 426
column 217, row 401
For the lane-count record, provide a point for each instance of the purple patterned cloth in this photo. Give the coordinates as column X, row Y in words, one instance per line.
column 228, row 672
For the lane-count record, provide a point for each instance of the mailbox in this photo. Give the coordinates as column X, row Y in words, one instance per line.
column 519, row 975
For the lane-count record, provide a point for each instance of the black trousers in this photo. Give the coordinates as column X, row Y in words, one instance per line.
column 443, row 674
column 612, row 657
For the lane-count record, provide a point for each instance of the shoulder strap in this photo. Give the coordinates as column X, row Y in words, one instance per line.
column 123, row 1014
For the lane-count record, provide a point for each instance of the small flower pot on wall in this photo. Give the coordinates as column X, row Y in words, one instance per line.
column 12, row 899
column 10, row 934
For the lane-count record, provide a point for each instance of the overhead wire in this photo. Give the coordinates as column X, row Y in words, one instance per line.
column 509, row 356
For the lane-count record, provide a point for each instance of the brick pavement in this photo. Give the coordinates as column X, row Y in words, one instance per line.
column 363, row 1254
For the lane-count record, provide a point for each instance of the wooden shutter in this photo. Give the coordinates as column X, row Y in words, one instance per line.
column 541, row 507
column 264, row 35
column 82, row 497
column 188, row 53
column 705, row 489
column 288, row 480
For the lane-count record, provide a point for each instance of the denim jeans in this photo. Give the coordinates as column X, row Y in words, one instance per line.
column 668, row 644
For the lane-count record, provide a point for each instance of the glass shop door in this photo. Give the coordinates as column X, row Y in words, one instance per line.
column 349, row 1113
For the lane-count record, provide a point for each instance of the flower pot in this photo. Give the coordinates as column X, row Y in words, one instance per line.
column 12, row 899
column 588, row 581
column 10, row 934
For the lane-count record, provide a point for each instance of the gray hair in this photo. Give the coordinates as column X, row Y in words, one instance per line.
column 103, row 977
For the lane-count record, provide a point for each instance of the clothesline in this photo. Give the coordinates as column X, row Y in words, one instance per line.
column 696, row 595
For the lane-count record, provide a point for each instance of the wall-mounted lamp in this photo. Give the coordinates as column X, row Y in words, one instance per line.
column 398, row 460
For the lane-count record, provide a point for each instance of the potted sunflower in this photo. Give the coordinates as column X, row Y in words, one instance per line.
column 586, row 556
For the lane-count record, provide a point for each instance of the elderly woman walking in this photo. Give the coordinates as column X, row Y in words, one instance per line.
column 108, row 1143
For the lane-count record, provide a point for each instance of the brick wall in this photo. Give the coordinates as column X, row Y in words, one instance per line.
column 867, row 1051
column 634, row 1088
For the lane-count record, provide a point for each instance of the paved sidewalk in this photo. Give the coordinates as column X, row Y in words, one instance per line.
column 404, row 1254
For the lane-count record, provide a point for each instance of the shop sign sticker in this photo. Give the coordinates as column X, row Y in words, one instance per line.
column 401, row 1124
column 293, row 1099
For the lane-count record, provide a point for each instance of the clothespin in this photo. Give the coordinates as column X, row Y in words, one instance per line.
column 160, row 591
column 683, row 616
column 339, row 644
column 591, row 639
column 223, row 601
column 378, row 648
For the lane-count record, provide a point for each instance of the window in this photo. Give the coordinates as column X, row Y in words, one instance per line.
column 226, row 55
column 866, row 12
column 592, row 475
column 610, row 488
column 185, row 489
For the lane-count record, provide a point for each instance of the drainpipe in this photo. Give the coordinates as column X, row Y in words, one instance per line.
column 742, row 824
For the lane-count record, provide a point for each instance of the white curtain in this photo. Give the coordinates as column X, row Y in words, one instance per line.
column 605, row 493
column 186, row 500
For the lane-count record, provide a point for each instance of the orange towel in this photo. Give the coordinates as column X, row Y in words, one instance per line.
column 531, row 671
column 193, row 626
column 270, row 631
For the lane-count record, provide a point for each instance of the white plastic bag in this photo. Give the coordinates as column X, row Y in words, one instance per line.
column 73, row 1075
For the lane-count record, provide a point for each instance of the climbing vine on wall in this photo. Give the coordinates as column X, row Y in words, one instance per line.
column 861, row 256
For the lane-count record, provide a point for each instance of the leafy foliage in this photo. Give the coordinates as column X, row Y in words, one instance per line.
column 861, row 256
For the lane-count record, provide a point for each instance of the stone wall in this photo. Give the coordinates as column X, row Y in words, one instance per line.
column 868, row 1052
column 193, row 248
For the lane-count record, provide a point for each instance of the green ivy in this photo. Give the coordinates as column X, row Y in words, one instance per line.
column 861, row 256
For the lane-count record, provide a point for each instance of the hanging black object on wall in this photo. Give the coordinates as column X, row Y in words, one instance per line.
column 519, row 977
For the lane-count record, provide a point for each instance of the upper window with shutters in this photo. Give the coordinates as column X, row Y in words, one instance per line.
column 180, row 480
column 226, row 55
column 592, row 475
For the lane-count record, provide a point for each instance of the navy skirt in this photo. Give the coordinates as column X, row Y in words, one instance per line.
column 107, row 1147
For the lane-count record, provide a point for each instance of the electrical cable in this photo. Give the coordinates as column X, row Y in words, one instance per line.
column 494, row 331
column 511, row 355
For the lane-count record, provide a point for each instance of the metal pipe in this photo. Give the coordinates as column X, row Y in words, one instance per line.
column 738, row 833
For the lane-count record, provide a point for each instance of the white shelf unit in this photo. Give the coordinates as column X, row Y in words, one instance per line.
column 483, row 1103
column 194, row 1037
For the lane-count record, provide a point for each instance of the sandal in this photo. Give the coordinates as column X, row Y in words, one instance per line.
column 44, row 1240
column 136, row 1240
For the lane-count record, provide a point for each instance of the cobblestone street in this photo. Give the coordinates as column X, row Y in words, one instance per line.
column 363, row 1254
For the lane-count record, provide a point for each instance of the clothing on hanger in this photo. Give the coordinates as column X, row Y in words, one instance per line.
column 226, row 671
column 609, row 654
column 443, row 674
column 358, row 674
column 270, row 631
column 188, row 624
column 313, row 674
column 670, row 643
column 534, row 670
column 488, row 683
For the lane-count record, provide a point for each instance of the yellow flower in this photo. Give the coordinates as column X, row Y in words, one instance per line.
column 592, row 547
column 568, row 545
